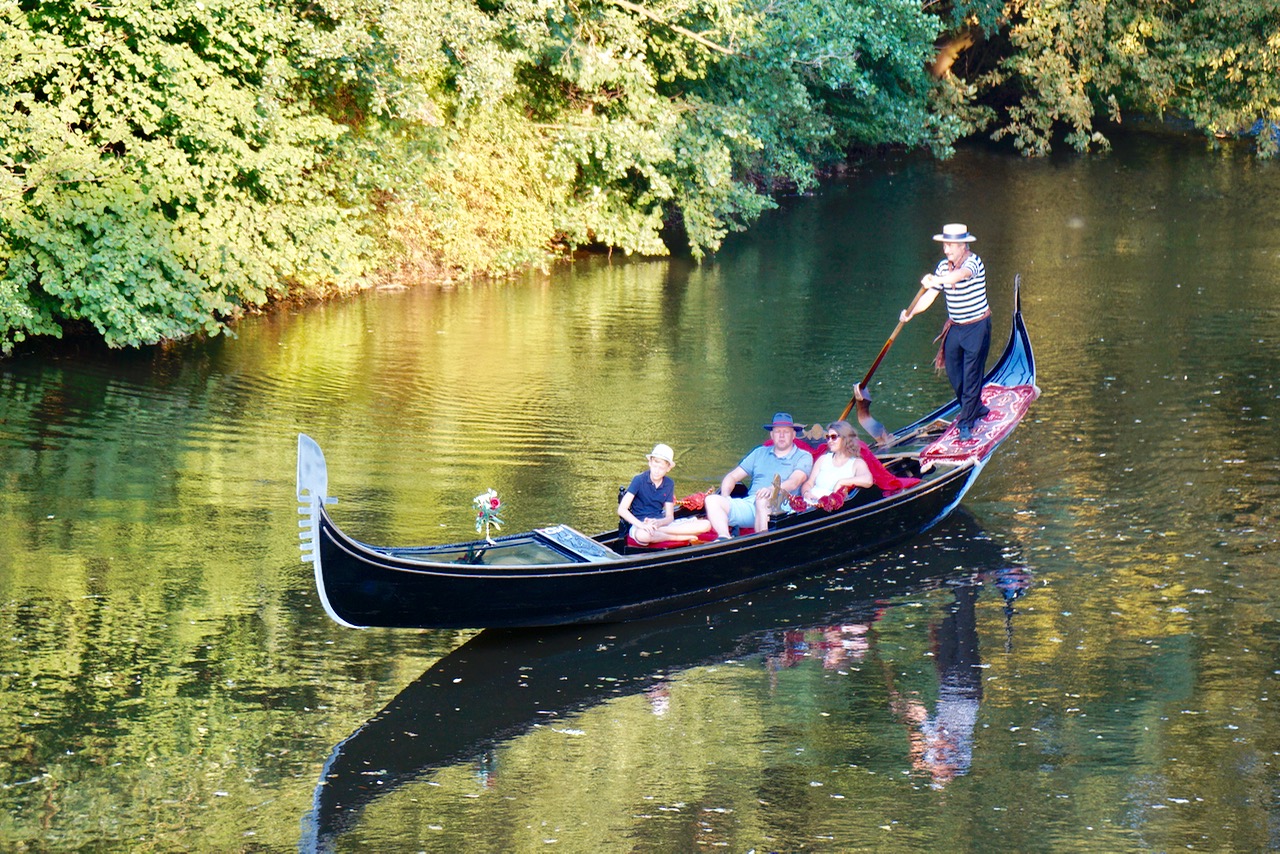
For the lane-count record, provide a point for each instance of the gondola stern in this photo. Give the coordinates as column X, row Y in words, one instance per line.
column 1020, row 331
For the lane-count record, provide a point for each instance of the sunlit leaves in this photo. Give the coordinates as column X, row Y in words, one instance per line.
column 159, row 173
column 1213, row 63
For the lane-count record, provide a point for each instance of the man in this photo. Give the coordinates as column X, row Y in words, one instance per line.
column 966, row 337
column 783, row 458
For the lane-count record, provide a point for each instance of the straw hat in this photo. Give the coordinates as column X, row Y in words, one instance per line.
column 955, row 232
column 664, row 453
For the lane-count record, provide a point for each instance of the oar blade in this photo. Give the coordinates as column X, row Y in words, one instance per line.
column 874, row 428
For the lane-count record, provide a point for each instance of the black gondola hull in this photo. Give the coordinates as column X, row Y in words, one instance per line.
column 365, row 586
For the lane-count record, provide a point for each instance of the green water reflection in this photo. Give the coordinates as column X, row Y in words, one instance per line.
column 169, row 682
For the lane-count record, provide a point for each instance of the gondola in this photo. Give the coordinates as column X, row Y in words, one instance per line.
column 560, row 576
column 503, row 683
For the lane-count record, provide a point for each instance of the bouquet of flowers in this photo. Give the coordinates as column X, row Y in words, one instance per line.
column 487, row 505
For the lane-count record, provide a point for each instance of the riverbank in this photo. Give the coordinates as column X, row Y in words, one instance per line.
column 419, row 268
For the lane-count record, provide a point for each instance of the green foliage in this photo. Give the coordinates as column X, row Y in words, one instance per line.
column 1215, row 62
column 169, row 164
column 1058, row 64
column 1212, row 62
column 159, row 174
column 486, row 204
column 617, row 117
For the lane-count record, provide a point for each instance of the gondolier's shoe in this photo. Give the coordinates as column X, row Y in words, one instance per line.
column 965, row 431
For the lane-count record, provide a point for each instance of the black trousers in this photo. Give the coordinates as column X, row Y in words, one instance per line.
column 965, row 352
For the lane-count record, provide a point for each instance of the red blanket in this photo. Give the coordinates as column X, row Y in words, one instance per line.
column 881, row 476
column 888, row 482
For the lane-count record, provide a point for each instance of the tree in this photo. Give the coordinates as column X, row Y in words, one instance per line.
column 1213, row 63
column 159, row 172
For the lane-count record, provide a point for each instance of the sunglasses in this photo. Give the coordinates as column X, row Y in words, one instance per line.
column 831, row 437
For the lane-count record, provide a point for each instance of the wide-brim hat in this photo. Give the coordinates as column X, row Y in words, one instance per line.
column 664, row 453
column 783, row 419
column 955, row 232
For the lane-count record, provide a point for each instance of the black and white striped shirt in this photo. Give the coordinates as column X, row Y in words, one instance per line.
column 967, row 301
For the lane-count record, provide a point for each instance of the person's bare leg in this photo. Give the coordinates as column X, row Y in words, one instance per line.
column 764, row 501
column 717, row 507
column 640, row 535
column 686, row 529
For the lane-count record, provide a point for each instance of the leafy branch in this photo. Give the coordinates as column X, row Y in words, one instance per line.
column 640, row 10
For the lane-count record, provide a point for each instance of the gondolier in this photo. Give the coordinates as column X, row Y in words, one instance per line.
column 966, row 337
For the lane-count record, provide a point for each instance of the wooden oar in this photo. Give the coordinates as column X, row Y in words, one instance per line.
column 860, row 397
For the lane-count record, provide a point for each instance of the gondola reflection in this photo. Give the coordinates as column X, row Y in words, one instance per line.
column 503, row 683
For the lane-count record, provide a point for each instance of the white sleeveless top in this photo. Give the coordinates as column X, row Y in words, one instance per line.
column 831, row 474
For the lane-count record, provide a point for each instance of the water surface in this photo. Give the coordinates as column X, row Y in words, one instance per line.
column 1086, row 661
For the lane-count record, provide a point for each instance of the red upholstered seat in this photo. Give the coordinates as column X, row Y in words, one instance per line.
column 669, row 544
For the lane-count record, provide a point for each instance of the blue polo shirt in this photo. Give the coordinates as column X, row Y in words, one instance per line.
column 762, row 464
column 649, row 500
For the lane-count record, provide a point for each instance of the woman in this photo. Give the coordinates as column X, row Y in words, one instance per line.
column 841, row 467
column 648, row 505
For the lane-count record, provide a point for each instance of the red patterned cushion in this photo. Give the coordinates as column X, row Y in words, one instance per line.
column 1007, row 404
